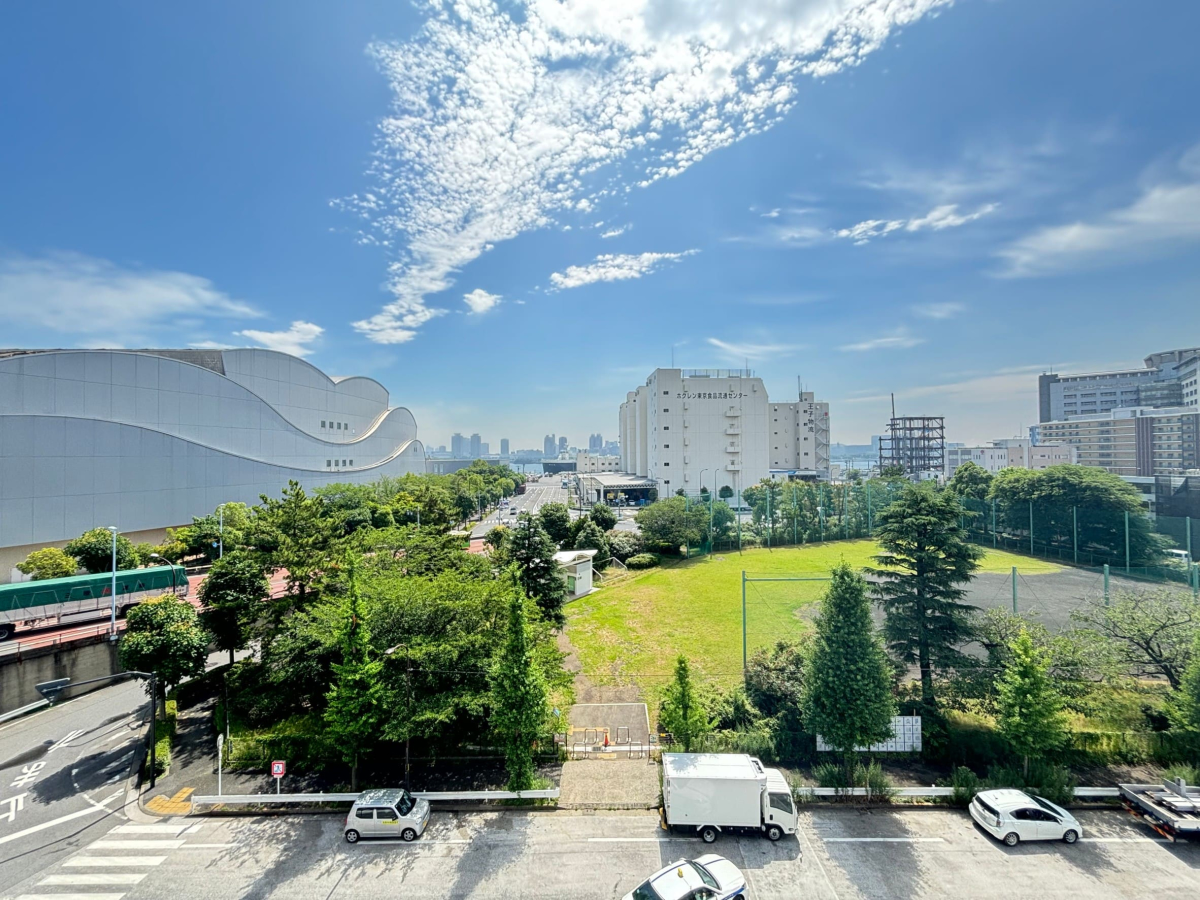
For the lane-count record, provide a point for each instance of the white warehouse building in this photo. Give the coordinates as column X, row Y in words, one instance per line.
column 693, row 428
column 146, row 439
column 1018, row 453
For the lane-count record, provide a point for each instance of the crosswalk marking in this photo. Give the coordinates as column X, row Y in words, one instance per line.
column 112, row 861
column 135, row 844
column 172, row 830
column 94, row 878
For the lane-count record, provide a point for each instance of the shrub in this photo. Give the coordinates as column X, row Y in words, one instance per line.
column 164, row 731
column 642, row 561
column 1055, row 783
column 966, row 785
column 1190, row 774
column 624, row 544
column 879, row 786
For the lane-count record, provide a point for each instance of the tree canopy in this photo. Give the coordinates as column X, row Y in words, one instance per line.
column 970, row 481
column 50, row 562
column 232, row 596
column 532, row 552
column 164, row 636
column 94, row 551
column 683, row 713
column 519, row 709
column 1029, row 707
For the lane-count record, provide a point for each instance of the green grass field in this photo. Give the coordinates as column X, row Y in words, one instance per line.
column 631, row 633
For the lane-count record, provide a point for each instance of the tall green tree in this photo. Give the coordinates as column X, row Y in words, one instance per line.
column 603, row 516
column 93, row 550
column 683, row 711
column 1184, row 704
column 164, row 636
column 519, row 710
column 49, row 562
column 590, row 537
column 555, row 519
column 533, row 553
column 847, row 688
column 293, row 533
column 670, row 524
column 1029, row 707
column 725, row 492
column 925, row 561
column 354, row 714
column 970, row 482
column 232, row 596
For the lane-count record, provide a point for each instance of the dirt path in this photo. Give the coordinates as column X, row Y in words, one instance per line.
column 586, row 691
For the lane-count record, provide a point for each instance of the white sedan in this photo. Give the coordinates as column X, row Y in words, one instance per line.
column 710, row 877
column 1013, row 816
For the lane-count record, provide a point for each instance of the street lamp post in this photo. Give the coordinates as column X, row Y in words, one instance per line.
column 157, row 556
column 390, row 651
column 113, row 622
column 702, row 471
column 220, row 531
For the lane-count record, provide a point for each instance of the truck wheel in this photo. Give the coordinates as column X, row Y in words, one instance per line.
column 708, row 834
column 774, row 832
column 6, row 631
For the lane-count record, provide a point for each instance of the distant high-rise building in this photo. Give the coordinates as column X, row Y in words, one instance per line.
column 485, row 448
column 458, row 445
column 504, row 447
column 549, row 446
column 476, row 446
column 595, row 443
column 1167, row 380
column 562, row 445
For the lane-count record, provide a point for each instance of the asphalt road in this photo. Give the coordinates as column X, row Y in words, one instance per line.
column 537, row 494
column 63, row 778
column 838, row 855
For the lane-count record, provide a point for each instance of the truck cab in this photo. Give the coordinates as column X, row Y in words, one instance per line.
column 778, row 807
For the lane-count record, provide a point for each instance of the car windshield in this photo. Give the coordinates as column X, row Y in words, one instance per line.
column 1047, row 806
column 704, row 876
column 644, row 892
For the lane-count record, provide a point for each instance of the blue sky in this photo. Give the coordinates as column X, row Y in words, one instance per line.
column 510, row 213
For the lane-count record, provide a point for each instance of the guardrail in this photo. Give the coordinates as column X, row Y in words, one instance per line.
column 1081, row 793
column 242, row 799
column 68, row 635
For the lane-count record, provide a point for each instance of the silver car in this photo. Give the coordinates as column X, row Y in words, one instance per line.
column 389, row 812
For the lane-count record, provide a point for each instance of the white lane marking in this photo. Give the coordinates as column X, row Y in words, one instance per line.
column 205, row 846
column 81, row 861
column 73, row 896
column 148, row 829
column 638, row 840
column 118, row 736
column 94, row 878
column 90, row 811
column 65, row 741
column 194, row 828
column 882, row 840
column 103, row 804
column 368, row 843
column 1132, row 840
column 135, row 844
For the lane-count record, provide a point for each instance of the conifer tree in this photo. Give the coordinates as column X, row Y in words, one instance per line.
column 519, row 699
column 531, row 549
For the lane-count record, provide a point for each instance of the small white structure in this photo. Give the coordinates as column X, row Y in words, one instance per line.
column 576, row 568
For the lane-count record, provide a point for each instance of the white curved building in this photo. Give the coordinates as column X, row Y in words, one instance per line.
column 147, row 439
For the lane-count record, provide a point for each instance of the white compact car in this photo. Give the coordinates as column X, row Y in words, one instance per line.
column 1013, row 816
column 710, row 877
column 391, row 812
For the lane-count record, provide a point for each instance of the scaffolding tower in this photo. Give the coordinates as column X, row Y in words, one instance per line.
column 915, row 443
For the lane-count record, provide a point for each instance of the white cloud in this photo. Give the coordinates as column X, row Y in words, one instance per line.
column 900, row 340
column 937, row 219
column 1164, row 218
column 502, row 119
column 615, row 232
column 210, row 345
column 614, row 267
column 73, row 294
column 295, row 340
column 481, row 301
column 772, row 214
column 938, row 310
column 738, row 352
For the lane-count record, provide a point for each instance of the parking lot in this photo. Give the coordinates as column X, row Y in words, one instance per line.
column 838, row 854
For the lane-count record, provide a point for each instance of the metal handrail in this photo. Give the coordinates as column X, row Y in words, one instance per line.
column 216, row 799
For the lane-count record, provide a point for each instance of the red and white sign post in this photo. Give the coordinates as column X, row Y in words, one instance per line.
column 278, row 769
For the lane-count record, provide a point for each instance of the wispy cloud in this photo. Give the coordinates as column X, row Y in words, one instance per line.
column 899, row 340
column 100, row 301
column 295, row 340
column 480, row 301
column 615, row 232
column 737, row 352
column 938, row 310
column 614, row 267
column 937, row 219
column 1163, row 219
column 502, row 114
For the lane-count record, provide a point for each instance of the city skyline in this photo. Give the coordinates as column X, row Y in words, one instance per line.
column 943, row 206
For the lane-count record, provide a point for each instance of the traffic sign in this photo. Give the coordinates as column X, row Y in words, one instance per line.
column 278, row 768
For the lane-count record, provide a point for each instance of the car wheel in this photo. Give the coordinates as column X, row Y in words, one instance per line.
column 708, row 834
column 1070, row 835
column 409, row 834
column 1011, row 839
column 351, row 836
column 774, row 832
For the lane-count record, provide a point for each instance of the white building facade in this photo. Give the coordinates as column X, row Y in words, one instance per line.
column 589, row 463
column 145, row 440
column 714, row 428
column 1019, row 453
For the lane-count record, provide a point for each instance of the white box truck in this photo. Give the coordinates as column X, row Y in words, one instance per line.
column 714, row 792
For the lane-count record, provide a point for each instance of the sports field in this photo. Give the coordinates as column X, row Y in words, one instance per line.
column 632, row 633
